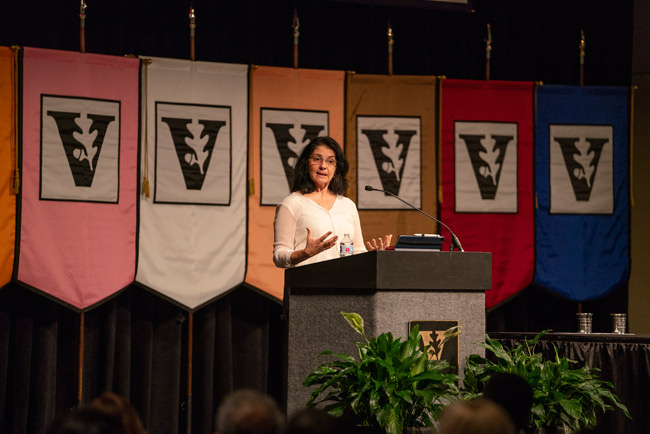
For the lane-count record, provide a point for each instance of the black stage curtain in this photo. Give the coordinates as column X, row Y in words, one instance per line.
column 136, row 345
column 623, row 360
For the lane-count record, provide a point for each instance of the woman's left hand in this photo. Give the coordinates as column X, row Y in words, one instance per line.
column 381, row 245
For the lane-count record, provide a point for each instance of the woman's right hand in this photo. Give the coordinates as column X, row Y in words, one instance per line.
column 316, row 245
column 313, row 247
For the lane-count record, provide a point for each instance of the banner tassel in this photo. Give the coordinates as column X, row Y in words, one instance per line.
column 145, row 169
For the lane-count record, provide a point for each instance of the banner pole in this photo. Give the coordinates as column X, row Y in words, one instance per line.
column 582, row 57
column 192, row 34
column 190, row 349
column 390, row 48
column 488, row 52
column 82, row 28
column 296, row 36
column 82, row 328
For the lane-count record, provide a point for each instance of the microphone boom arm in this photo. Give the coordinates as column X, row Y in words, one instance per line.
column 454, row 240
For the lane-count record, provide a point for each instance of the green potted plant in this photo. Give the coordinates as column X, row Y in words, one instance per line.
column 393, row 385
column 564, row 398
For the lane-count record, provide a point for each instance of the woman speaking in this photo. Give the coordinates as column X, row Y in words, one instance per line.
column 311, row 221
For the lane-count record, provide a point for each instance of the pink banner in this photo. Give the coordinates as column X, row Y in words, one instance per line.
column 79, row 165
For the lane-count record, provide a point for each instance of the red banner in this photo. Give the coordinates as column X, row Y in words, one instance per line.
column 487, row 177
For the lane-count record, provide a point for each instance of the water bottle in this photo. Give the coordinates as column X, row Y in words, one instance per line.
column 346, row 246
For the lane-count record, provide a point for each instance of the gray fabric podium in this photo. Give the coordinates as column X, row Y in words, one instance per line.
column 388, row 289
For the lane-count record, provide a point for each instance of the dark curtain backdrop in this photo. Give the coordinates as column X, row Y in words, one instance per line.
column 136, row 343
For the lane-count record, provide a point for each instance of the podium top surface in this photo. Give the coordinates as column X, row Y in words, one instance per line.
column 389, row 269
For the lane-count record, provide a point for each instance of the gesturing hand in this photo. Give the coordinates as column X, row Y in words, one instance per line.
column 383, row 243
column 316, row 245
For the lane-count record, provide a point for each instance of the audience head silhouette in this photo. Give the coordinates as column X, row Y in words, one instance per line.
column 315, row 421
column 513, row 393
column 480, row 416
column 122, row 410
column 249, row 412
column 87, row 421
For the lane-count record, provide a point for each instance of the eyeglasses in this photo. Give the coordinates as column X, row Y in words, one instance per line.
column 317, row 159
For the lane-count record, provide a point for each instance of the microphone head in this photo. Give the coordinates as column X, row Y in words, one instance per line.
column 369, row 188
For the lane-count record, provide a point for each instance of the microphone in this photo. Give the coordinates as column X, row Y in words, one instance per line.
column 454, row 240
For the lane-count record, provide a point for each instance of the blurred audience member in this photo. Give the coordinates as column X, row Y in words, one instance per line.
column 119, row 408
column 249, row 412
column 513, row 393
column 314, row 421
column 480, row 416
column 87, row 421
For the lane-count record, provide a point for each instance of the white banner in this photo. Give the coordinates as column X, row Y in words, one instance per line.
column 581, row 160
column 485, row 167
column 192, row 235
column 388, row 158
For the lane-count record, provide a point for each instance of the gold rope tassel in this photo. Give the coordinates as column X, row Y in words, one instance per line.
column 14, row 83
column 439, row 116
column 632, row 90
column 145, row 84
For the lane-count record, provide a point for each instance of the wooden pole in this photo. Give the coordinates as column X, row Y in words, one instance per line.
column 192, row 35
column 82, row 328
column 488, row 53
column 82, row 28
column 390, row 49
column 190, row 350
column 582, row 57
column 296, row 36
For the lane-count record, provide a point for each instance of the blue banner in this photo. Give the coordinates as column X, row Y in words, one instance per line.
column 582, row 186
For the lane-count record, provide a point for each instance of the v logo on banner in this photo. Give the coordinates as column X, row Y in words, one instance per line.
column 284, row 134
column 80, row 141
column 486, row 153
column 390, row 155
column 82, row 136
column 194, row 142
column 581, row 157
column 290, row 139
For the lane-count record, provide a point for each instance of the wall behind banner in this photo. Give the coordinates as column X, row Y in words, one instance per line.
column 535, row 40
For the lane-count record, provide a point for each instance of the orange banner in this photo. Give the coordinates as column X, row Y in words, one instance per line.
column 7, row 164
column 287, row 107
column 391, row 145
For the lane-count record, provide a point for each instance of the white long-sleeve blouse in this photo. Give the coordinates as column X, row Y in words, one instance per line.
column 296, row 213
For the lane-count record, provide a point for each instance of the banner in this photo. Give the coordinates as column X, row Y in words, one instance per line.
column 7, row 164
column 192, row 235
column 289, row 107
column 391, row 145
column 487, row 177
column 78, row 202
column 582, row 183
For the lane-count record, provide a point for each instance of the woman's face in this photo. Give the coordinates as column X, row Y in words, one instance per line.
column 322, row 166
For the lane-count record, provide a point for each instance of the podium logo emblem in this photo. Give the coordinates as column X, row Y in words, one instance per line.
column 485, row 155
column 581, row 168
column 80, row 140
column 432, row 334
column 284, row 134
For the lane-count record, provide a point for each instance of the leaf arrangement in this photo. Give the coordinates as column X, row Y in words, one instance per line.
column 562, row 396
column 392, row 386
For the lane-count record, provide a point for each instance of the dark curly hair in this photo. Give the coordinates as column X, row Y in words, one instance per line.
column 303, row 183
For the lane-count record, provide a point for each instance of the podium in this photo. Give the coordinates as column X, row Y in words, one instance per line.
column 388, row 289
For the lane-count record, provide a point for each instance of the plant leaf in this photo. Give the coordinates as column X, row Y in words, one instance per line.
column 355, row 321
